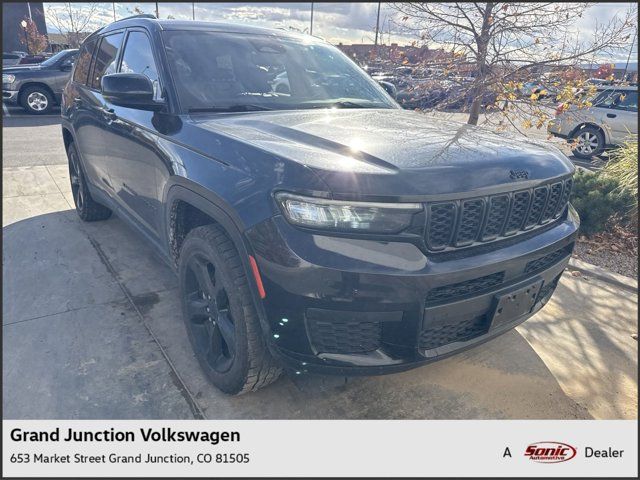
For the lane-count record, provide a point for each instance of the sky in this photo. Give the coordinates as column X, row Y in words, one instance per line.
column 335, row 22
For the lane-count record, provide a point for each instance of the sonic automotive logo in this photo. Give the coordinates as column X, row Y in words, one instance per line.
column 550, row 452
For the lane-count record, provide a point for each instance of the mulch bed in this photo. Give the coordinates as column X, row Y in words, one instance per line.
column 616, row 250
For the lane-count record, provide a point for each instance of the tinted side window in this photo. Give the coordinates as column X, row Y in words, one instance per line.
column 81, row 72
column 106, row 55
column 605, row 99
column 628, row 101
column 138, row 58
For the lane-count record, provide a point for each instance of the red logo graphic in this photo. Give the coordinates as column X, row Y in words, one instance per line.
column 550, row 452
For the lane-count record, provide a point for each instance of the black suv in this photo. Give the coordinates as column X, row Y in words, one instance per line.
column 323, row 229
column 37, row 88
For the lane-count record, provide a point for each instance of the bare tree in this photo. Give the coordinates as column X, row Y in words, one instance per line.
column 508, row 43
column 72, row 20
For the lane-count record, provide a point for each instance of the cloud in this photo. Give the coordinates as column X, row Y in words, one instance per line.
column 345, row 22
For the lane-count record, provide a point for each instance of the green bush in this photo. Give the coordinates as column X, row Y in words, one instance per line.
column 597, row 199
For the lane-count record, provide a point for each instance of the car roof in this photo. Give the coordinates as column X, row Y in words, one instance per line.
column 153, row 24
column 602, row 88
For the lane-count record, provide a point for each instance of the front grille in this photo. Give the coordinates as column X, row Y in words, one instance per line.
column 344, row 337
column 548, row 260
column 440, row 335
column 461, row 223
column 467, row 287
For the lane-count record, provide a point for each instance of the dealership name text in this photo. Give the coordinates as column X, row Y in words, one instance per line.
column 164, row 434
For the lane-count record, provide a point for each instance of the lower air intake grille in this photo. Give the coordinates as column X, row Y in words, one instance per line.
column 545, row 262
column 467, row 287
column 438, row 336
column 344, row 337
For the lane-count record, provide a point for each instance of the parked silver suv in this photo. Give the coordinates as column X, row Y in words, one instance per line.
column 612, row 118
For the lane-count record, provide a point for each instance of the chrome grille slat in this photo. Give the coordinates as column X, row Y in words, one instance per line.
column 460, row 223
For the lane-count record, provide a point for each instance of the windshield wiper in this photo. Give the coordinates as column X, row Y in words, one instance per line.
column 244, row 107
column 346, row 104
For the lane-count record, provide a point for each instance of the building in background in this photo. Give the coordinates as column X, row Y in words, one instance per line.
column 12, row 32
column 363, row 53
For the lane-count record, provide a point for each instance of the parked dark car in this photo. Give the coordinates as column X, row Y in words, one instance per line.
column 34, row 59
column 324, row 229
column 37, row 88
column 10, row 59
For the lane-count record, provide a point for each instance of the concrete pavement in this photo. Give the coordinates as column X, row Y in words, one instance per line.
column 92, row 329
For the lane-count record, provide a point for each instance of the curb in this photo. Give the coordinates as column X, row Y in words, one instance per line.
column 600, row 273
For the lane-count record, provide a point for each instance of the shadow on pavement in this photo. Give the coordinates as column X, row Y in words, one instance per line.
column 29, row 120
column 74, row 347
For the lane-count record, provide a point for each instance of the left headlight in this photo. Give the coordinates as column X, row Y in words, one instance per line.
column 8, row 78
column 345, row 216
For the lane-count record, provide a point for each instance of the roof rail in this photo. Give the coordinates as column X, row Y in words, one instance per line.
column 141, row 15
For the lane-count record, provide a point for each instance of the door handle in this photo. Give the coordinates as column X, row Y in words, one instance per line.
column 611, row 115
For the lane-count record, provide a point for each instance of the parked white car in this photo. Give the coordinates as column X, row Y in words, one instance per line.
column 612, row 119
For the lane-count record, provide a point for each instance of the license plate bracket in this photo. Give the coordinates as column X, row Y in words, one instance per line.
column 513, row 304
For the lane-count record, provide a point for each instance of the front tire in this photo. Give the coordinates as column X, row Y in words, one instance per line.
column 219, row 314
column 37, row 100
column 589, row 143
column 87, row 208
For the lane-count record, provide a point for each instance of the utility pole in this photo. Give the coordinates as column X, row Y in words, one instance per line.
column 193, row 10
column 29, row 8
column 377, row 23
column 635, row 34
column 311, row 27
column 114, row 10
column 157, row 14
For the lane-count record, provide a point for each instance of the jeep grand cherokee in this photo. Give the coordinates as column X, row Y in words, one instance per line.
column 322, row 228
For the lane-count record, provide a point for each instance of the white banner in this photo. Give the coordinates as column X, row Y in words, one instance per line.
column 319, row 448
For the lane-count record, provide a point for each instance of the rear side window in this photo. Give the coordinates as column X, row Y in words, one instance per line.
column 138, row 58
column 81, row 71
column 628, row 101
column 106, row 56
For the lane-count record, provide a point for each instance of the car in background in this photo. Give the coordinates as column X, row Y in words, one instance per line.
column 612, row 119
column 539, row 89
column 37, row 88
column 11, row 58
column 34, row 59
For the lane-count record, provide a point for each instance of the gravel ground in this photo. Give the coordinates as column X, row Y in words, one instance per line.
column 622, row 262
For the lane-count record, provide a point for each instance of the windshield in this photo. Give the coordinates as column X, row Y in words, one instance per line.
column 216, row 71
column 53, row 60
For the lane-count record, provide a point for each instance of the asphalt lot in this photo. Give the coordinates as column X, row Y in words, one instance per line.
column 92, row 329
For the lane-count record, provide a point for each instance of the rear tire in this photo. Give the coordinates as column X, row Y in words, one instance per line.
column 87, row 208
column 36, row 100
column 589, row 142
column 219, row 314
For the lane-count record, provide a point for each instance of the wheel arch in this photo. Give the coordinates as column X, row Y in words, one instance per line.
column 185, row 210
column 67, row 138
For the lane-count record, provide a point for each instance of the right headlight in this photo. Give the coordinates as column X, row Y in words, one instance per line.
column 346, row 216
column 8, row 78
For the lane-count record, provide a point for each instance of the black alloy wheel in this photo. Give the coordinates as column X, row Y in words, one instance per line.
column 209, row 315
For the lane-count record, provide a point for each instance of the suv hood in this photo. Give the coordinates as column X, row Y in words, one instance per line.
column 22, row 68
column 393, row 152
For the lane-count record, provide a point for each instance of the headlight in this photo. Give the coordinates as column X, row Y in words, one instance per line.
column 7, row 78
column 347, row 216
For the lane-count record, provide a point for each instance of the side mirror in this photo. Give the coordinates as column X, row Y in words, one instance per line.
column 132, row 90
column 66, row 66
column 390, row 88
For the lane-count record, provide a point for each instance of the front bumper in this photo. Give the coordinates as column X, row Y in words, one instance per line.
column 10, row 96
column 350, row 306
